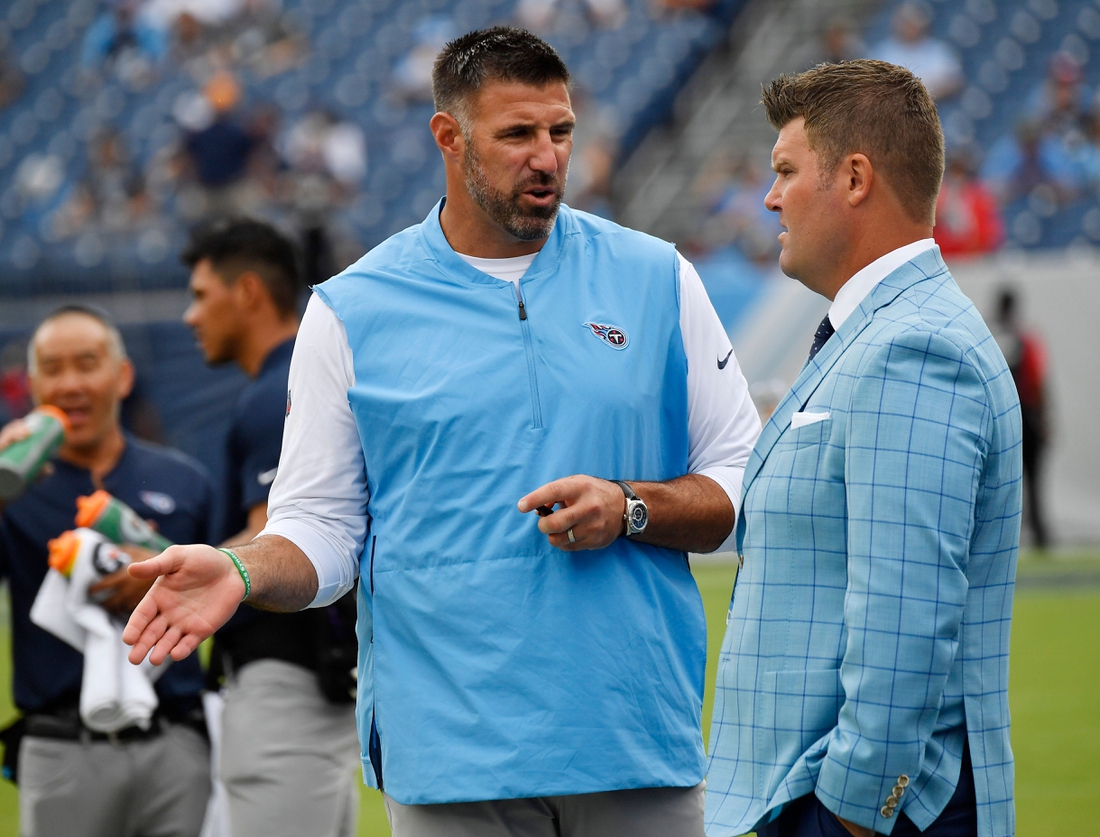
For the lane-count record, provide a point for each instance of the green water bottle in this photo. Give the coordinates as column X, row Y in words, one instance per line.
column 117, row 522
column 21, row 462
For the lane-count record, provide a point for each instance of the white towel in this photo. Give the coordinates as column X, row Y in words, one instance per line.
column 113, row 694
column 50, row 613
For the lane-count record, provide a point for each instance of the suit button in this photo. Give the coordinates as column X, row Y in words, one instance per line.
column 887, row 812
column 903, row 780
column 892, row 802
column 899, row 791
column 740, row 561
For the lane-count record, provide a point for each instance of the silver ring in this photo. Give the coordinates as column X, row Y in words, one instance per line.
column 571, row 538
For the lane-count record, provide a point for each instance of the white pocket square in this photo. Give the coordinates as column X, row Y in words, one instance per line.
column 802, row 419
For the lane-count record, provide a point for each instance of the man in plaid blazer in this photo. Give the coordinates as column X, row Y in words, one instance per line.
column 862, row 685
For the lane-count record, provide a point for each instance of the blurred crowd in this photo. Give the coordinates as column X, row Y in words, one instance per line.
column 231, row 149
column 227, row 154
column 1052, row 158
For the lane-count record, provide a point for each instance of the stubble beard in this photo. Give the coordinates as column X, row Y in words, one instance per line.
column 522, row 223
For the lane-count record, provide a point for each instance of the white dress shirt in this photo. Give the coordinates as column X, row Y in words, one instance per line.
column 855, row 290
column 320, row 498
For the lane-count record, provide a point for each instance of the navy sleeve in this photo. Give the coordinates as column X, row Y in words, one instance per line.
column 259, row 439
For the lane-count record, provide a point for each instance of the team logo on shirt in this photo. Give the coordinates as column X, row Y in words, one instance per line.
column 158, row 502
column 613, row 336
column 288, row 402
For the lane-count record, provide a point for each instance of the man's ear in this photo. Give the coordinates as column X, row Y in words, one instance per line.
column 448, row 136
column 125, row 378
column 250, row 290
column 860, row 176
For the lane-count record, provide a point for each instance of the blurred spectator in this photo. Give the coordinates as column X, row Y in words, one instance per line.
column 1062, row 102
column 327, row 161
column 15, row 394
column 217, row 154
column 111, row 194
column 544, row 15
column 733, row 189
column 37, row 179
column 412, row 77
column 212, row 13
column 11, row 79
column 322, row 143
column 125, row 41
column 191, row 42
column 263, row 40
column 666, row 6
column 1027, row 359
column 968, row 220
column 935, row 62
column 590, row 171
column 839, row 42
column 1031, row 162
column 595, row 149
column 265, row 163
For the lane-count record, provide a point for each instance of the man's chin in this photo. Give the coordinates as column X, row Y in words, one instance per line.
column 786, row 265
column 532, row 225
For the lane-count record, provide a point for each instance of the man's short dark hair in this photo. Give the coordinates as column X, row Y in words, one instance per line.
column 502, row 53
column 235, row 246
column 873, row 108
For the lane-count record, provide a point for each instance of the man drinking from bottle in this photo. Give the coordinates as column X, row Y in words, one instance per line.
column 74, row 781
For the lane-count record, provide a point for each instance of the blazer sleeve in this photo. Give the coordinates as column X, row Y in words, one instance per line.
column 917, row 439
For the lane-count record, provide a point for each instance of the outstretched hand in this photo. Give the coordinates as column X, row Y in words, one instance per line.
column 593, row 511
column 196, row 590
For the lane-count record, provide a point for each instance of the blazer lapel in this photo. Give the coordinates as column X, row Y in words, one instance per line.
column 924, row 266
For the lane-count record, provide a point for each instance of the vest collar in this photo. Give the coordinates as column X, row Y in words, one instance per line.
column 455, row 267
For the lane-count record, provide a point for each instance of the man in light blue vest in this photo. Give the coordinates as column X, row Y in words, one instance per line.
column 519, row 674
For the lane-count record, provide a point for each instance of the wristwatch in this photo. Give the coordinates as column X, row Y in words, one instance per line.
column 636, row 515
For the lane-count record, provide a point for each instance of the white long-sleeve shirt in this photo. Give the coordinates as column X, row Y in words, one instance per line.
column 320, row 499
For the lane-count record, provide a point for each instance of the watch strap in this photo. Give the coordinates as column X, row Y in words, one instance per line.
column 627, row 490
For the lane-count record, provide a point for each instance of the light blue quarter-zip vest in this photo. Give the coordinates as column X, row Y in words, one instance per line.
column 493, row 665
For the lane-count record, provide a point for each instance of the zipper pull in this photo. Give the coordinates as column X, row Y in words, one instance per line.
column 522, row 310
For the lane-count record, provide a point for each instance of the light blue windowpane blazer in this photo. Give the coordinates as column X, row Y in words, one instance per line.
column 869, row 627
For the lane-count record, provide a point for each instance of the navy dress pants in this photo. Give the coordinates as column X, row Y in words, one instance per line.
column 807, row 817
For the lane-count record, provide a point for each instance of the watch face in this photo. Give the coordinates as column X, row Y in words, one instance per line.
column 639, row 516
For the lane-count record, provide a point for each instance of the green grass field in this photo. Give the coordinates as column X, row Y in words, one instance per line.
column 1054, row 691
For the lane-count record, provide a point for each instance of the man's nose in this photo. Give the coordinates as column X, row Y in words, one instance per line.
column 70, row 379
column 543, row 156
column 771, row 200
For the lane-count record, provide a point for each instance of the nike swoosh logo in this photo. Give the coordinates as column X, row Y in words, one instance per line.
column 722, row 363
column 267, row 477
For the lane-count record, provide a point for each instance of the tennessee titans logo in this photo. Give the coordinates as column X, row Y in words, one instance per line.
column 613, row 336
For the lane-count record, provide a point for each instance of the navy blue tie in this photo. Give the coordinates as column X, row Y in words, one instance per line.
column 821, row 336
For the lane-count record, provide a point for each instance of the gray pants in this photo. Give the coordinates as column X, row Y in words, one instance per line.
column 646, row 812
column 153, row 788
column 290, row 759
